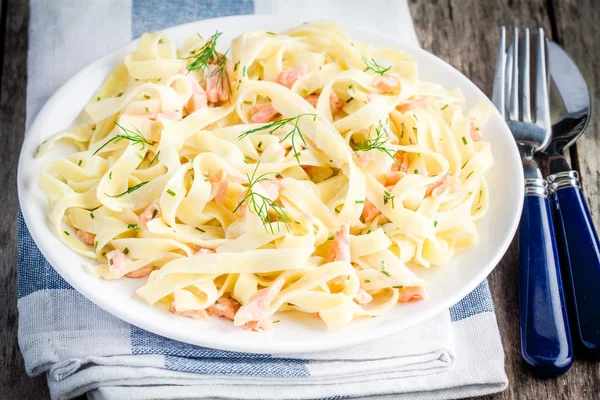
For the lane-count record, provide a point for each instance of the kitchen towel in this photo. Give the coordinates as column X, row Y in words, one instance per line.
column 84, row 350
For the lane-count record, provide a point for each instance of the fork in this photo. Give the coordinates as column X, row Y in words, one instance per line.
column 545, row 336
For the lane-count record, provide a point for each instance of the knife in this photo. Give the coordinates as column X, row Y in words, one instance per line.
column 577, row 238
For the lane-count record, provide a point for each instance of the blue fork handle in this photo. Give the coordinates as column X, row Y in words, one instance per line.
column 580, row 260
column 545, row 337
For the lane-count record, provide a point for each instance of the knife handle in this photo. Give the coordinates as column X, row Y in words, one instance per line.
column 545, row 337
column 580, row 251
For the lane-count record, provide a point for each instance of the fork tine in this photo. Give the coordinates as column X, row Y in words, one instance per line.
column 542, row 106
column 524, row 80
column 499, row 84
column 513, row 101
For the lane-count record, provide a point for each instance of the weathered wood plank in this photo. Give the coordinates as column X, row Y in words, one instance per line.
column 14, row 383
column 464, row 33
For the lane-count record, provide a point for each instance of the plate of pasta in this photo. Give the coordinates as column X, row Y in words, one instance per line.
column 258, row 184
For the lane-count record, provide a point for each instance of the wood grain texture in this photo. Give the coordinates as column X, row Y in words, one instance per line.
column 14, row 383
column 462, row 32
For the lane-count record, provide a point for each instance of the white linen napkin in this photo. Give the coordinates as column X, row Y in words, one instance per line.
column 83, row 349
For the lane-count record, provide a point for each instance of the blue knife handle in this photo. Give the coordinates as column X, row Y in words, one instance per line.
column 545, row 337
column 580, row 252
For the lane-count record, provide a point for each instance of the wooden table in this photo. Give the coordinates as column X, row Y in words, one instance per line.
column 462, row 32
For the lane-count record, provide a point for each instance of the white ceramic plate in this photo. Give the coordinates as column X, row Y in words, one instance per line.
column 293, row 334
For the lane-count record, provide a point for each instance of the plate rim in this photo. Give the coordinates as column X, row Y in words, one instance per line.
column 343, row 340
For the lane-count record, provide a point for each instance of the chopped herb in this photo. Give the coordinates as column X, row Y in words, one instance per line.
column 103, row 254
column 336, row 210
column 79, row 163
column 367, row 281
column 269, row 99
column 298, row 222
column 383, row 271
column 387, row 196
column 134, row 137
column 246, row 161
column 276, row 321
column 375, row 67
column 414, row 130
column 468, row 176
column 397, row 287
column 369, row 231
column 305, row 92
column 67, row 233
column 464, row 140
column 470, row 193
column 244, row 71
column 330, row 237
column 247, row 102
column 160, row 41
column 477, row 128
column 402, row 133
column 94, row 127
column 435, row 224
column 129, row 190
column 416, row 171
column 273, row 126
column 417, row 119
column 271, row 33
column 154, row 159
column 480, row 194
column 330, row 160
column 443, row 108
column 119, row 94
column 95, row 245
column 170, row 192
column 132, row 226
column 478, row 208
column 92, row 215
column 259, row 144
column 349, row 100
column 98, row 98
column 466, row 162
column 359, row 201
column 261, row 205
column 201, row 230
column 146, row 97
column 126, row 251
column 351, row 87
column 235, row 67
column 141, row 157
column 110, row 175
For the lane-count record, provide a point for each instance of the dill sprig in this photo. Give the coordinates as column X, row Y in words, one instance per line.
column 133, row 136
column 207, row 55
column 129, row 190
column 262, row 205
column 294, row 133
column 377, row 143
column 374, row 66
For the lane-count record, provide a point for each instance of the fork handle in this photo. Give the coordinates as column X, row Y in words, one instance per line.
column 545, row 337
column 580, row 251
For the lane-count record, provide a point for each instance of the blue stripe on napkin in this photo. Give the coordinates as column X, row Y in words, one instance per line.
column 476, row 302
column 33, row 271
column 291, row 368
column 155, row 15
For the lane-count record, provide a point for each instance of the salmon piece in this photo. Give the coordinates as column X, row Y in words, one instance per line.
column 216, row 88
column 117, row 262
column 219, row 185
column 198, row 315
column 196, row 102
column 439, row 187
column 262, row 113
column 403, row 160
column 259, row 326
column 370, row 211
column 386, row 83
column 272, row 189
column 288, row 76
column 362, row 297
column 225, row 307
column 151, row 212
column 258, row 308
column 411, row 293
column 340, row 248
column 393, row 177
column 87, row 237
column 412, row 104
column 476, row 134
column 202, row 251
column 363, row 159
column 140, row 272
column 335, row 104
